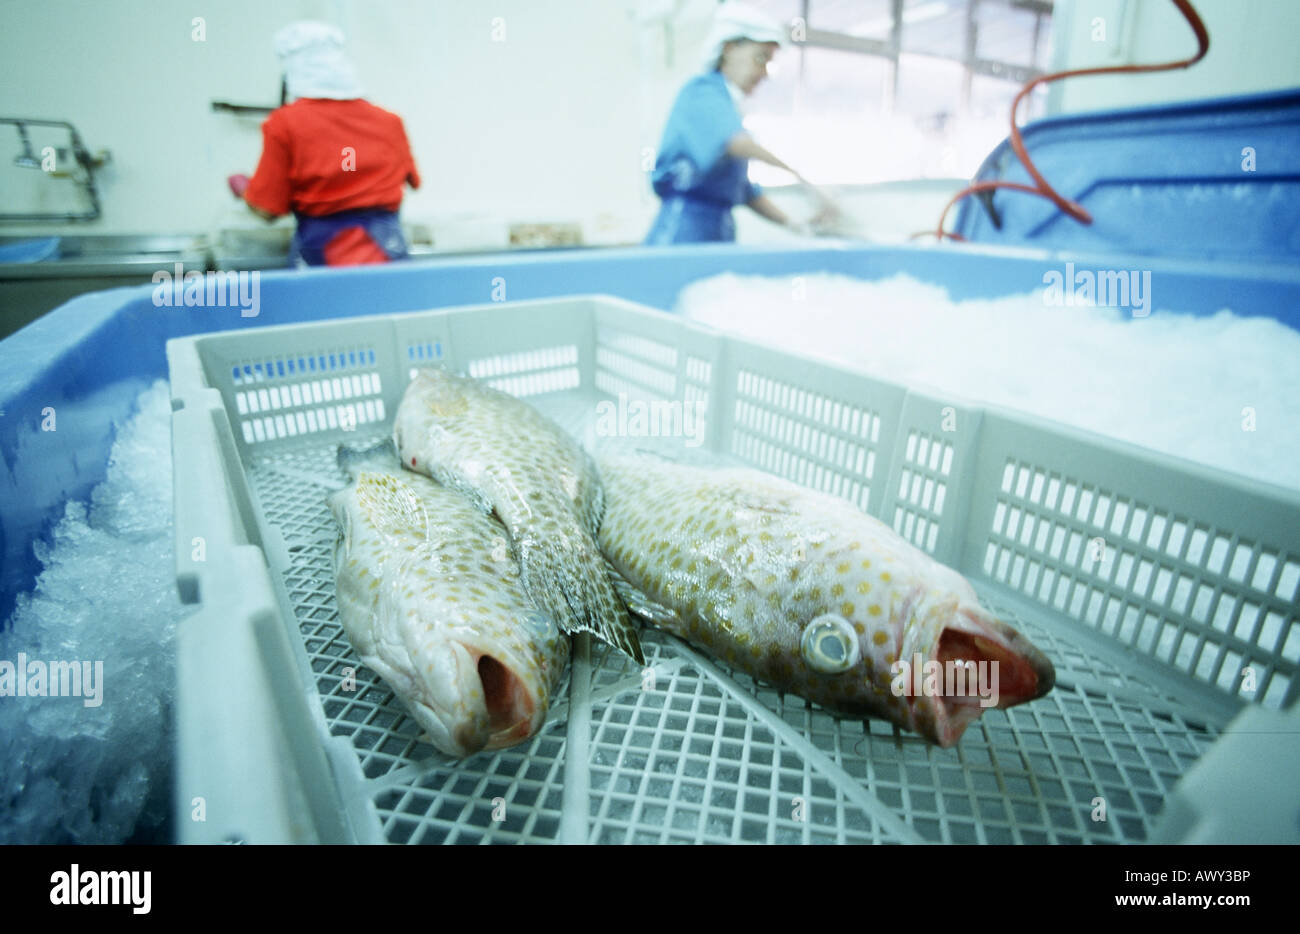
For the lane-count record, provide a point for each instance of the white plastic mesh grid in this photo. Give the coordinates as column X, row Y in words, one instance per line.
column 684, row 756
column 922, row 489
column 688, row 751
column 692, row 752
column 285, row 396
column 508, row 796
column 1160, row 582
column 635, row 365
column 548, row 369
column 823, row 443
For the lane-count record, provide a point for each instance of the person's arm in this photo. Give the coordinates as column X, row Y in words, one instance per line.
column 238, row 185
column 765, row 207
column 267, row 193
column 743, row 146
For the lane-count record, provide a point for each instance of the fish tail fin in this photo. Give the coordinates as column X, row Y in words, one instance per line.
column 379, row 456
column 576, row 590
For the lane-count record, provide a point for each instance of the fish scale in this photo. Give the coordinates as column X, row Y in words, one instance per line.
column 512, row 461
column 803, row 590
column 432, row 601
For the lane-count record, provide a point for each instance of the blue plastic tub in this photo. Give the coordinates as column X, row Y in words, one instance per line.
column 1211, row 180
column 88, row 359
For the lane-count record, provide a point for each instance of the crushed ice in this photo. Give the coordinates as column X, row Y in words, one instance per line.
column 76, row 774
column 1219, row 390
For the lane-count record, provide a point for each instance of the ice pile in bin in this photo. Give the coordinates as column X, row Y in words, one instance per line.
column 1219, row 390
column 96, row 768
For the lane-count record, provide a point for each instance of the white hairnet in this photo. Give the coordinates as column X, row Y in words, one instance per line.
column 311, row 56
column 739, row 21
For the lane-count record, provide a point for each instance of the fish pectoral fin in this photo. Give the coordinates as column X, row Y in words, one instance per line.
column 391, row 505
column 571, row 584
column 639, row 603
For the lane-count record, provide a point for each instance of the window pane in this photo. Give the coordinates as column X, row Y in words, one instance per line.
column 848, row 84
column 1005, row 33
column 829, row 126
column 835, row 114
column 781, row 10
column 935, row 27
column 991, row 98
column 871, row 19
column 930, row 88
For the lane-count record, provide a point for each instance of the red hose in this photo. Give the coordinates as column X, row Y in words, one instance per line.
column 1040, row 186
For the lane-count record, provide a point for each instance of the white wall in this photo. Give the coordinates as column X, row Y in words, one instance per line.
column 1252, row 49
column 554, row 124
column 549, row 125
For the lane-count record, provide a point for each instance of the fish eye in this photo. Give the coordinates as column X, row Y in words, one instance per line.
column 830, row 645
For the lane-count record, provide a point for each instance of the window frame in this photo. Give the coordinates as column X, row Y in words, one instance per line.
column 892, row 49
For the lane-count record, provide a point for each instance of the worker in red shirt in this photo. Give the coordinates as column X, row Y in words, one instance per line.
column 337, row 161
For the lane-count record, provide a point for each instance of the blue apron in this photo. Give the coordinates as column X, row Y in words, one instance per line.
column 683, row 219
column 315, row 234
column 697, row 180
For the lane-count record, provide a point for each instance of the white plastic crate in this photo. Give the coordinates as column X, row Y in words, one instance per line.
column 1164, row 593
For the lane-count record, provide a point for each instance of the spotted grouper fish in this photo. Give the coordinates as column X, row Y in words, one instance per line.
column 515, row 463
column 432, row 602
column 805, row 591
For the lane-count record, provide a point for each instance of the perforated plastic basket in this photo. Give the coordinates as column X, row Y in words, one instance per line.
column 1164, row 593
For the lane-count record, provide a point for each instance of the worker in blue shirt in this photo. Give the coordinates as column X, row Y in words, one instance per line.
column 702, row 169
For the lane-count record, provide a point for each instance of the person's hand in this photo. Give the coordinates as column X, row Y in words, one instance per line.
column 825, row 220
column 238, row 184
column 828, row 213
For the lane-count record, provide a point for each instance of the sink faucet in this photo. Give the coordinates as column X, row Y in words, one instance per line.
column 87, row 163
column 27, row 160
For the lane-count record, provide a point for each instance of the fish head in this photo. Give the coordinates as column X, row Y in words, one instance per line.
column 969, row 661
column 484, row 678
column 436, row 404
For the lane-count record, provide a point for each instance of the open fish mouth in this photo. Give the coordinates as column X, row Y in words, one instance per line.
column 511, row 706
column 477, row 700
column 981, row 665
column 1020, row 676
column 502, row 696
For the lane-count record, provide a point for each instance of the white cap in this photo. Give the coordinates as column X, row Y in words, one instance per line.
column 734, row 21
column 311, row 57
